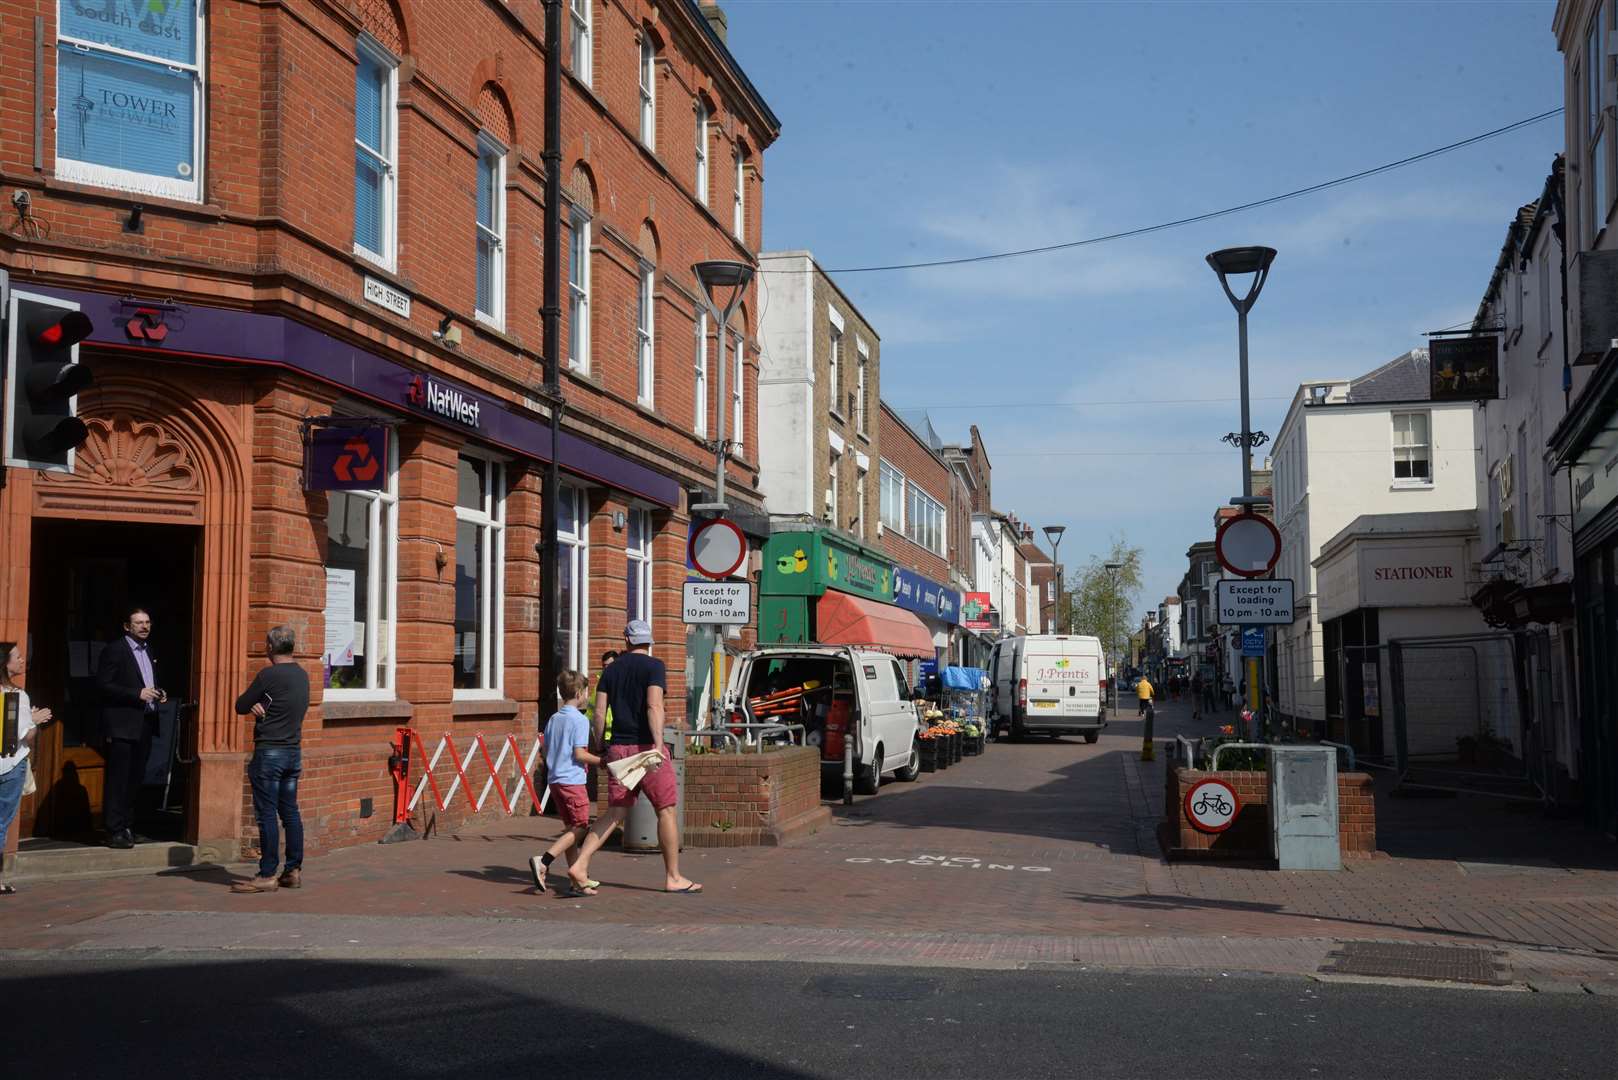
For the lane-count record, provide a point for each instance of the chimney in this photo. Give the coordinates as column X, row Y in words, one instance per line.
column 716, row 19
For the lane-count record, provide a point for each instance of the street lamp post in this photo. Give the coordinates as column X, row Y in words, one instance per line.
column 1053, row 533
column 1255, row 261
column 716, row 276
column 1112, row 631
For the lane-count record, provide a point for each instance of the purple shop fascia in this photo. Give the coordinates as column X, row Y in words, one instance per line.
column 195, row 332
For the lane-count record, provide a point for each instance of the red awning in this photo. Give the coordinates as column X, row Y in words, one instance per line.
column 842, row 619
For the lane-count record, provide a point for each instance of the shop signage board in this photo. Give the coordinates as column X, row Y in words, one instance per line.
column 1254, row 602
column 783, row 620
column 346, row 458
column 1464, row 368
column 925, row 596
column 1247, row 545
column 977, row 612
column 717, row 603
column 1595, row 475
column 717, row 548
column 809, row 563
column 1212, row 805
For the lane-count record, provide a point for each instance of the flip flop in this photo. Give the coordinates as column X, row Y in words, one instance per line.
column 536, row 870
column 8, row 890
column 692, row 888
column 575, row 890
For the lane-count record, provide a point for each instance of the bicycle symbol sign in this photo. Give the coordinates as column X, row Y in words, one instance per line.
column 1212, row 805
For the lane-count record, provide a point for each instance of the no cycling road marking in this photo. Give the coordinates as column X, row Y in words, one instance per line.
column 952, row 862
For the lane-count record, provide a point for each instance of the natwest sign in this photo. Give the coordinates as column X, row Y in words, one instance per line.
column 451, row 402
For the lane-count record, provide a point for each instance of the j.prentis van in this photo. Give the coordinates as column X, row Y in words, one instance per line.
column 424, row 393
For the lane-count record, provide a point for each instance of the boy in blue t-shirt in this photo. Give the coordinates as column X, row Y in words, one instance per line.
column 567, row 752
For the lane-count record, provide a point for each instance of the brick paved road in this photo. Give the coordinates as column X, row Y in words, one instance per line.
column 1039, row 847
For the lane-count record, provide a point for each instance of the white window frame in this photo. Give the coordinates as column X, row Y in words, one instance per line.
column 738, row 414
column 581, row 19
column 834, row 374
column 645, row 341
column 386, row 156
column 890, row 477
column 639, row 564
column 738, row 208
column 382, row 605
column 864, row 362
column 574, row 546
column 491, row 520
column 703, row 121
column 648, row 91
column 492, row 151
column 578, row 289
column 699, row 393
column 128, row 180
column 1597, row 151
column 931, row 527
column 833, row 470
column 859, row 499
column 1409, row 447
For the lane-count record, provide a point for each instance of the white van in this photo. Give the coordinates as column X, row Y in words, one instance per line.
column 843, row 690
column 1048, row 684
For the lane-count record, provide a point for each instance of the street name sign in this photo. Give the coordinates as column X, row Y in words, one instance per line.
column 717, row 603
column 1247, row 545
column 1254, row 602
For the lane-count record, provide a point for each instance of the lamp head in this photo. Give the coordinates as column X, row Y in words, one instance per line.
column 718, row 275
column 1115, row 566
column 1241, row 260
column 1053, row 533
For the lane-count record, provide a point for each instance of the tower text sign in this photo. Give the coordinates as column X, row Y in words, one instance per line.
column 1254, row 602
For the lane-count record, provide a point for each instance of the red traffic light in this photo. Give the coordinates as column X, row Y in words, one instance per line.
column 64, row 332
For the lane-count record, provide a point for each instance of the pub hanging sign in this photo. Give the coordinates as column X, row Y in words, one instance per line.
column 345, row 454
column 1464, row 368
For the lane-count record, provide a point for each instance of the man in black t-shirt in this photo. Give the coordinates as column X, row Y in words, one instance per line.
column 277, row 700
column 633, row 689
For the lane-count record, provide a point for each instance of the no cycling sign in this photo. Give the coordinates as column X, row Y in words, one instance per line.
column 950, row 862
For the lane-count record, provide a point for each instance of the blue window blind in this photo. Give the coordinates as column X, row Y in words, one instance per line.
column 125, row 114
column 367, row 202
column 161, row 29
column 485, row 274
column 370, row 87
column 486, row 193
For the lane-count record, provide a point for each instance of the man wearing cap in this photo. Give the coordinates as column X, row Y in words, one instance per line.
column 633, row 688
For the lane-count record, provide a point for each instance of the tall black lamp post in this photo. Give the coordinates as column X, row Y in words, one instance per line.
column 1238, row 261
column 1053, row 533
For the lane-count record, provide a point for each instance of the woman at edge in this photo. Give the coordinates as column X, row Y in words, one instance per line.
column 13, row 771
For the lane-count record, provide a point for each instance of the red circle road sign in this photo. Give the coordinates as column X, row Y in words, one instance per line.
column 1247, row 545
column 1212, row 805
column 717, row 548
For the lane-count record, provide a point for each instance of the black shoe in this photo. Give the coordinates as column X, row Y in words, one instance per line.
column 123, row 839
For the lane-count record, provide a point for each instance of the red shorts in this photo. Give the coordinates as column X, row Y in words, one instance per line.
column 658, row 784
column 573, row 803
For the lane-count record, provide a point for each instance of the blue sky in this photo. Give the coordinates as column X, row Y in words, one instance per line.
column 916, row 131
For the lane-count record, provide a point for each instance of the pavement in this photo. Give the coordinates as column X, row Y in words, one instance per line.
column 251, row 1016
column 1034, row 853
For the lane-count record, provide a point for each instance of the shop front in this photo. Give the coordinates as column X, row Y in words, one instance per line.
column 818, row 587
column 1586, row 444
column 202, row 496
column 938, row 606
column 1400, row 576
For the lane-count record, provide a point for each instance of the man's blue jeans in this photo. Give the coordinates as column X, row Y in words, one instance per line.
column 11, row 798
column 273, row 772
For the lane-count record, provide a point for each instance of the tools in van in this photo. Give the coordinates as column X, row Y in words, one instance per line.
column 782, row 702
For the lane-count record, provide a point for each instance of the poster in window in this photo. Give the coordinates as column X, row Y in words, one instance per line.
column 1464, row 368
column 1372, row 688
column 161, row 29
column 125, row 114
column 339, row 651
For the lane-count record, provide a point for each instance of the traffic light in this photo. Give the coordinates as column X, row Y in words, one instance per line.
column 42, row 377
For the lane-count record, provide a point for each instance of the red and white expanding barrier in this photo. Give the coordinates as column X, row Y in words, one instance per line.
column 407, row 744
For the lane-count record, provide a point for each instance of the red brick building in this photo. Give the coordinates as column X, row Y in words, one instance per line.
column 278, row 213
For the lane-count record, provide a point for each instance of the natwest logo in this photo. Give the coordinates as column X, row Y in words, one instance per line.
column 446, row 401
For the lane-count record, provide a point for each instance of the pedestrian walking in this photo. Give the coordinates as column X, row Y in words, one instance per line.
column 634, row 688
column 1207, row 694
column 126, row 678
column 1143, row 690
column 277, row 701
column 16, row 743
column 567, row 752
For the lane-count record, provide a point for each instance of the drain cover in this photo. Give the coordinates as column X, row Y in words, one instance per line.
column 872, row 987
column 1393, row 960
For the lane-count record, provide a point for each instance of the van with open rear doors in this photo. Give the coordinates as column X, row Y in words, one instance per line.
column 838, row 693
column 1048, row 684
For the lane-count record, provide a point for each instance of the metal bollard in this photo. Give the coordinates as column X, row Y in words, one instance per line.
column 1147, row 750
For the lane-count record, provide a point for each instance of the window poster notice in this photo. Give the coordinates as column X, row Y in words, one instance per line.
column 1373, row 689
column 339, row 618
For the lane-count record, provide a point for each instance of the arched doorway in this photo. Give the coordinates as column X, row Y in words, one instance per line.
column 153, row 515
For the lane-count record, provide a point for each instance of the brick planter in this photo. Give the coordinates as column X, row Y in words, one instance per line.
column 1248, row 838
column 742, row 800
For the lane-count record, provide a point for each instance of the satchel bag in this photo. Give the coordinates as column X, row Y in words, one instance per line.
column 28, row 785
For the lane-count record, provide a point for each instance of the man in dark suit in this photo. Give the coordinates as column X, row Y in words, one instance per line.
column 126, row 675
